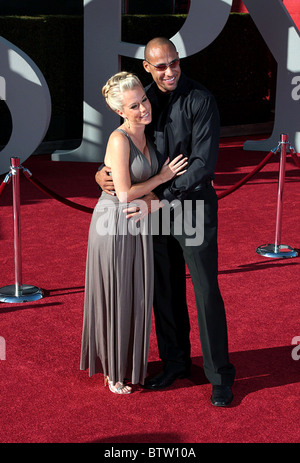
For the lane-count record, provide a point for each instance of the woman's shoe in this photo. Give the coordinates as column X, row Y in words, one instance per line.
column 118, row 388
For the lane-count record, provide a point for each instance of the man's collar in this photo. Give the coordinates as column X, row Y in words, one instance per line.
column 183, row 84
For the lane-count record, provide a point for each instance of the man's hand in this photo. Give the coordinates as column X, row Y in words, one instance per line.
column 104, row 179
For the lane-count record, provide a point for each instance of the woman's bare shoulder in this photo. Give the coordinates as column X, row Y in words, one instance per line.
column 117, row 145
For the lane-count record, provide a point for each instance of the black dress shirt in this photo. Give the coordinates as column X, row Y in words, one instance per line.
column 186, row 122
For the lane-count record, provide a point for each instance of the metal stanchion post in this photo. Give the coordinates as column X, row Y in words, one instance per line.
column 18, row 292
column 277, row 249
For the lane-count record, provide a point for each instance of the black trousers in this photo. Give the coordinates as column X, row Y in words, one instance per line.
column 171, row 252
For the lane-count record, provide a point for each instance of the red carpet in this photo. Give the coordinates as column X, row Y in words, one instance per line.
column 45, row 398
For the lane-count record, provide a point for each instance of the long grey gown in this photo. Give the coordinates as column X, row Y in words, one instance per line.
column 119, row 285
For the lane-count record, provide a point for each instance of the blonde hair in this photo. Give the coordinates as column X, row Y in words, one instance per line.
column 116, row 85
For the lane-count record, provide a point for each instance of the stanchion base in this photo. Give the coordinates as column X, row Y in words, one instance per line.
column 282, row 251
column 28, row 293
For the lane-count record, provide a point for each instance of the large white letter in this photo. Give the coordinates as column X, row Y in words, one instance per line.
column 27, row 96
column 283, row 39
column 102, row 50
column 102, row 36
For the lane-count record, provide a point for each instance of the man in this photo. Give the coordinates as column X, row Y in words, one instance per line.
column 185, row 120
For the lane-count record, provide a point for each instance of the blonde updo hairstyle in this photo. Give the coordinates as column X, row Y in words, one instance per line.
column 115, row 87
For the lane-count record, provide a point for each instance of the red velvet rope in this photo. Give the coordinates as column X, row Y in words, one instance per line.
column 89, row 210
column 4, row 183
column 2, row 186
column 295, row 158
column 247, row 177
column 59, row 198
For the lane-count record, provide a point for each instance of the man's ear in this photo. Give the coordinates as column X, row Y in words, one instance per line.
column 146, row 66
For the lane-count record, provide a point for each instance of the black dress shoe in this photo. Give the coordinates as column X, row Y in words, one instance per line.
column 166, row 379
column 221, row 396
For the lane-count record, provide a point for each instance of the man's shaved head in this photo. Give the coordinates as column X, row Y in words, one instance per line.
column 157, row 42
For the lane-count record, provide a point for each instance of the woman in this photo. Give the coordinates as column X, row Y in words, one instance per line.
column 119, row 271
